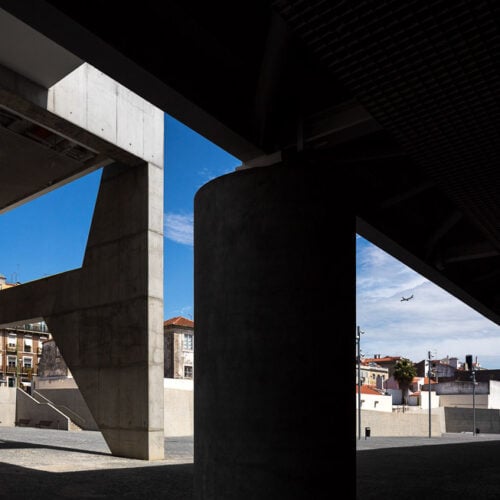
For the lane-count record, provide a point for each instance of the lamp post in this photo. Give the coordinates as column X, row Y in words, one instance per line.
column 474, row 402
column 358, row 358
column 470, row 366
column 429, row 388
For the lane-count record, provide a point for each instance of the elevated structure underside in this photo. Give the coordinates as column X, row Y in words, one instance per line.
column 403, row 95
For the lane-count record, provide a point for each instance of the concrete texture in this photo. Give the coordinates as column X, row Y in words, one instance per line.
column 33, row 411
column 107, row 317
column 179, row 411
column 7, row 406
column 448, row 467
column 71, row 403
column 97, row 103
column 260, row 274
column 40, row 463
column 410, row 423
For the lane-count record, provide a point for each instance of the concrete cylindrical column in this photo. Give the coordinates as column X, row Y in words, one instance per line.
column 264, row 372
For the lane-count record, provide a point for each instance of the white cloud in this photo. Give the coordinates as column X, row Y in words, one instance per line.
column 433, row 320
column 179, row 228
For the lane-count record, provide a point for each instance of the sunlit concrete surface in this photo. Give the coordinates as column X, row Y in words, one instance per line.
column 41, row 463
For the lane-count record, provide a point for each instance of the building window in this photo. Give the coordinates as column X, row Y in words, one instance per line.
column 12, row 341
column 11, row 361
column 188, row 341
column 188, row 372
column 27, row 363
column 28, row 344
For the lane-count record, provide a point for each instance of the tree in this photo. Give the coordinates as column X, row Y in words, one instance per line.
column 404, row 371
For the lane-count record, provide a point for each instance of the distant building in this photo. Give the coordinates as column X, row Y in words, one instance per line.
column 20, row 349
column 441, row 369
column 388, row 362
column 372, row 374
column 179, row 347
column 3, row 283
column 20, row 352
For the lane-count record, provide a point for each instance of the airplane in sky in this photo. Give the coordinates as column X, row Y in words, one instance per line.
column 407, row 298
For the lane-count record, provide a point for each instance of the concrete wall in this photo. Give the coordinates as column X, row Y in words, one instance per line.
column 401, row 424
column 464, row 400
column 71, row 403
column 375, row 402
column 462, row 420
column 41, row 383
column 459, row 387
column 179, row 416
column 7, row 406
column 424, row 400
column 494, row 399
column 178, row 403
column 29, row 408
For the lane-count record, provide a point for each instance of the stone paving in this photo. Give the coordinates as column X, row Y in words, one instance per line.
column 45, row 463
column 453, row 466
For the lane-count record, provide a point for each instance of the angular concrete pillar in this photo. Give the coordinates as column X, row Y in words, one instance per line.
column 111, row 331
column 107, row 317
column 274, row 314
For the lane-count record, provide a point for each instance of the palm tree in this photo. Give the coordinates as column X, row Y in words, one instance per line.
column 404, row 371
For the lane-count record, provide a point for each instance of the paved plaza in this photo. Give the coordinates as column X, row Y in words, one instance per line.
column 453, row 466
column 44, row 463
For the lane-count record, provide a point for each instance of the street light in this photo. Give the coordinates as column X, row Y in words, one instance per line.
column 468, row 361
column 358, row 358
column 429, row 388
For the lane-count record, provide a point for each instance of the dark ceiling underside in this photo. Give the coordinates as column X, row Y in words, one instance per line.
column 404, row 94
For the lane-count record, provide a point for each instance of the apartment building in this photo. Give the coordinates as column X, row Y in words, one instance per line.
column 20, row 349
column 20, row 352
column 372, row 374
column 179, row 347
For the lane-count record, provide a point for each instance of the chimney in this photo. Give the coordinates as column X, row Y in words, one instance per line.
column 3, row 281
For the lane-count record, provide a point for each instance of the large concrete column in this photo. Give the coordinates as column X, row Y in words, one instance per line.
column 111, row 336
column 275, row 325
column 107, row 317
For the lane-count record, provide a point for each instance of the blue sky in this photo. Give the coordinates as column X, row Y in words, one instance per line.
column 433, row 320
column 48, row 235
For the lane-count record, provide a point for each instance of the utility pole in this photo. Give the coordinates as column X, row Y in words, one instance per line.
column 358, row 358
column 429, row 388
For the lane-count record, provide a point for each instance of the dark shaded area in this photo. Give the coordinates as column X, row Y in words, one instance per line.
column 172, row 482
column 440, row 471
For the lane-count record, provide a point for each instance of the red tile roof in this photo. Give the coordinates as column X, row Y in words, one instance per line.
column 179, row 321
column 426, row 380
column 384, row 359
column 366, row 389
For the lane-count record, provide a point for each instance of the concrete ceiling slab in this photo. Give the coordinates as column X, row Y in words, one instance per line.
column 31, row 54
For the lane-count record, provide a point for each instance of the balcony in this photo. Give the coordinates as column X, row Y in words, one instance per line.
column 11, row 369
column 11, row 348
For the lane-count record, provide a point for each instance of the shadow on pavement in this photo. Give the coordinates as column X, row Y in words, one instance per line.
column 449, row 471
column 169, row 482
column 12, row 445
